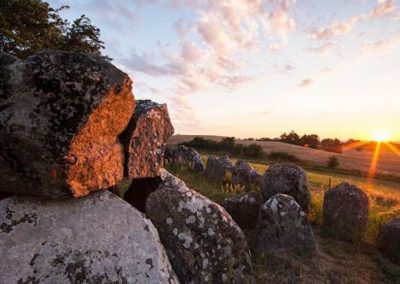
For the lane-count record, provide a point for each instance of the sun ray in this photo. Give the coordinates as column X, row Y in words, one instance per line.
column 393, row 148
column 374, row 162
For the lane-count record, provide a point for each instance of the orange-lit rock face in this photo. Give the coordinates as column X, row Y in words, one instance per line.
column 95, row 157
column 61, row 114
column 144, row 139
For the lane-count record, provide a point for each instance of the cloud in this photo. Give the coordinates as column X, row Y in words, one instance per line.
column 381, row 46
column 323, row 50
column 334, row 29
column 384, row 8
column 284, row 68
column 305, row 83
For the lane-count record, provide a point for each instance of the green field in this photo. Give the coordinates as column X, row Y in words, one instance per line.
column 334, row 261
column 384, row 195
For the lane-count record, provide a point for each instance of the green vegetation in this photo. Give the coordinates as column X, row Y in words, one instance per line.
column 27, row 26
column 332, row 162
column 384, row 195
column 226, row 145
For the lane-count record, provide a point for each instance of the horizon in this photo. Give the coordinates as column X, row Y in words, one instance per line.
column 259, row 68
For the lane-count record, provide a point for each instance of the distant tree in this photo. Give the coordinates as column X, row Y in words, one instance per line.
column 291, row 138
column 227, row 142
column 27, row 26
column 332, row 162
column 332, row 145
column 312, row 140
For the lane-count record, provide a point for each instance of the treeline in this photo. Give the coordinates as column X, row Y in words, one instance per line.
column 227, row 145
column 308, row 140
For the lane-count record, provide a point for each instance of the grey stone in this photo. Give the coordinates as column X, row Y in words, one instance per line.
column 282, row 224
column 345, row 212
column 244, row 174
column 187, row 157
column 144, row 139
column 389, row 239
column 95, row 239
column 244, row 208
column 217, row 168
column 288, row 179
column 61, row 114
column 202, row 241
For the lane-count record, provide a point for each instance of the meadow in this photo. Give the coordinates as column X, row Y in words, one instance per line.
column 350, row 159
column 334, row 260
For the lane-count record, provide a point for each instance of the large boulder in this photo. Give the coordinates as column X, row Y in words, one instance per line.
column 345, row 212
column 218, row 168
column 144, row 139
column 244, row 208
column 288, row 179
column 244, row 174
column 202, row 241
column 96, row 239
column 60, row 117
column 282, row 224
column 389, row 239
column 187, row 157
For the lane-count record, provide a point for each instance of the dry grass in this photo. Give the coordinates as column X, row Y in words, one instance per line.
column 334, row 261
column 389, row 162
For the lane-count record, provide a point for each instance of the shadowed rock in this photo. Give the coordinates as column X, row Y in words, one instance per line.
column 139, row 190
column 187, row 157
column 202, row 241
column 60, row 117
column 144, row 139
column 345, row 212
column 217, row 168
column 79, row 241
column 244, row 174
column 288, row 179
column 244, row 209
column 282, row 224
column 389, row 239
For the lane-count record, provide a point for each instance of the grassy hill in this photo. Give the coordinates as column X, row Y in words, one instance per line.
column 350, row 159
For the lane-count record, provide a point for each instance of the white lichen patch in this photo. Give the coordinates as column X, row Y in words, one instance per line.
column 190, row 220
column 169, row 221
column 186, row 238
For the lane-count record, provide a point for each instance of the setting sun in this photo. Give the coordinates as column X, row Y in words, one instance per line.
column 380, row 136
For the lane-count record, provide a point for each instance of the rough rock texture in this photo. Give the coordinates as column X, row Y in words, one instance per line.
column 389, row 239
column 60, row 117
column 345, row 212
column 282, row 224
column 96, row 239
column 144, row 139
column 202, row 241
column 187, row 157
column 217, row 168
column 244, row 174
column 139, row 190
column 288, row 179
column 244, row 209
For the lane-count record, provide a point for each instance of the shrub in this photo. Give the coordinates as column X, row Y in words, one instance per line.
column 283, row 157
column 332, row 162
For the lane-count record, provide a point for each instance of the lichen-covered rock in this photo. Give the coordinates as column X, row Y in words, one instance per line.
column 244, row 209
column 61, row 114
column 144, row 139
column 244, row 174
column 202, row 241
column 345, row 212
column 282, row 224
column 187, row 157
column 217, row 168
column 389, row 239
column 79, row 241
column 288, row 179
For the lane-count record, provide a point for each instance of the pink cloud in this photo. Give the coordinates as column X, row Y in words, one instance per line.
column 334, row 29
column 305, row 83
column 384, row 8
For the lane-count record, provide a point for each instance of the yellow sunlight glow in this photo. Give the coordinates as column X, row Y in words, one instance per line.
column 380, row 136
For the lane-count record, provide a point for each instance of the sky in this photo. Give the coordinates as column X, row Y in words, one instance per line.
column 258, row 68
